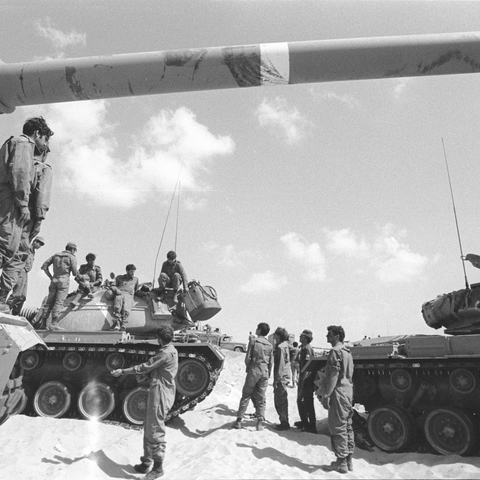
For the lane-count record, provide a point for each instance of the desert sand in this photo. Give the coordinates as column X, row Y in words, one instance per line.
column 201, row 445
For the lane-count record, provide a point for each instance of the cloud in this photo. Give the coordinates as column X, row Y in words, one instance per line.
column 228, row 256
column 344, row 242
column 308, row 255
column 285, row 122
column 390, row 260
column 264, row 282
column 59, row 39
column 171, row 142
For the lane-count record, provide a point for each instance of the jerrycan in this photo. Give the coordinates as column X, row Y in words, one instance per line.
column 201, row 302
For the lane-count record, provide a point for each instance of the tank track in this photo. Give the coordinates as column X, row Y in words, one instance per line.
column 133, row 356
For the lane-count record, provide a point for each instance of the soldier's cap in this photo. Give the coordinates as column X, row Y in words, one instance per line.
column 308, row 334
column 71, row 245
column 39, row 239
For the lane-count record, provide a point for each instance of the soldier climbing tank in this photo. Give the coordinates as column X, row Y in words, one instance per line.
column 71, row 377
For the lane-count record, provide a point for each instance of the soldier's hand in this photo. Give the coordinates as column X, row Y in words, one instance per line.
column 326, row 402
column 24, row 217
column 116, row 373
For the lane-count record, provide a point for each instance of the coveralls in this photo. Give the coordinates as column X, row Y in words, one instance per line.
column 64, row 263
column 123, row 302
column 259, row 360
column 294, row 364
column 89, row 278
column 19, row 292
column 16, row 178
column 340, row 411
column 172, row 276
column 281, row 379
column 306, row 389
column 38, row 204
column 162, row 369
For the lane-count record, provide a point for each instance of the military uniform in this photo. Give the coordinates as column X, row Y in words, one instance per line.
column 63, row 263
column 125, row 290
column 162, row 369
column 281, row 379
column 172, row 276
column 305, row 390
column 258, row 359
column 88, row 276
column 340, row 409
column 16, row 178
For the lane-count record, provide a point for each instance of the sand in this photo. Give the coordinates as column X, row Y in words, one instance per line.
column 201, row 445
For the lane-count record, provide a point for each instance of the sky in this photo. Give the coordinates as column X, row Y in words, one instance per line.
column 303, row 206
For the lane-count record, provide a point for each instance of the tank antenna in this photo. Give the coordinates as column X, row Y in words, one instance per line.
column 456, row 219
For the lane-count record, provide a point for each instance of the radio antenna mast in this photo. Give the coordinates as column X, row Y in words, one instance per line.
column 456, row 219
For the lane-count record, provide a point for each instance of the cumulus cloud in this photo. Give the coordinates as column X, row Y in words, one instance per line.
column 171, row 142
column 286, row 122
column 59, row 39
column 264, row 282
column 391, row 260
column 308, row 255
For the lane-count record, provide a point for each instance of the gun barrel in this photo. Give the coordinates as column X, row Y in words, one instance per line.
column 289, row 63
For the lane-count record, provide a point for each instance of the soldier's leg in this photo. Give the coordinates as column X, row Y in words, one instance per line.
column 62, row 292
column 338, row 414
column 10, row 229
column 163, row 281
column 48, row 306
column 247, row 392
column 260, row 393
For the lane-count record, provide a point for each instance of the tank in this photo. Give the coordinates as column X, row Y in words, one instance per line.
column 423, row 391
column 16, row 335
column 71, row 376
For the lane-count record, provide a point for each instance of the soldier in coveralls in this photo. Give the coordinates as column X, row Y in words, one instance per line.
column 338, row 399
column 281, row 377
column 162, row 369
column 259, row 361
column 126, row 286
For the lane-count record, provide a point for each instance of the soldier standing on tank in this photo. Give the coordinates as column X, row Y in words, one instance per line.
column 126, row 286
column 259, row 361
column 162, row 369
column 306, row 387
column 281, row 377
column 338, row 400
column 17, row 179
column 19, row 292
column 172, row 275
column 64, row 264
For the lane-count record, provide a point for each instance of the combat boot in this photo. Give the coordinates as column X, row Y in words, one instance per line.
column 350, row 462
column 156, row 472
column 3, row 301
column 259, row 426
column 339, row 465
column 143, row 467
column 238, row 424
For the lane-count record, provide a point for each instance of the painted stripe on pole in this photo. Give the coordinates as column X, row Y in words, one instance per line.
column 274, row 64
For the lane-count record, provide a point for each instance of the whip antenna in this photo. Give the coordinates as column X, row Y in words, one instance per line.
column 456, row 219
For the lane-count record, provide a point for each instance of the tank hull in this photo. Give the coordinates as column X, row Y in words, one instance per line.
column 418, row 391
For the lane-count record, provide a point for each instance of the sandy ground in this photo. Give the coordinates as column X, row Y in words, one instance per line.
column 201, row 445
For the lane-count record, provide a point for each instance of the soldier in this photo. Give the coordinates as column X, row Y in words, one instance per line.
column 258, row 359
column 338, row 399
column 124, row 289
column 172, row 275
column 162, row 369
column 89, row 276
column 281, row 377
column 64, row 264
column 19, row 292
column 306, row 387
column 17, row 180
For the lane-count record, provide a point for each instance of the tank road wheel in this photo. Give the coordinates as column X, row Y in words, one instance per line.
column 115, row 361
column 72, row 361
column 401, row 380
column 450, row 431
column 463, row 381
column 52, row 399
column 96, row 401
column 30, row 360
column 134, row 405
column 391, row 428
column 192, row 377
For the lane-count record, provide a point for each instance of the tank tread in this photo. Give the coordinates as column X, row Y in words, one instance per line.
column 181, row 404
